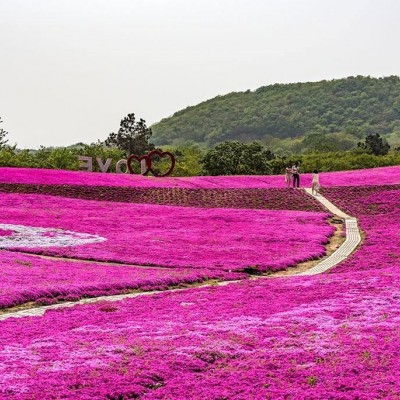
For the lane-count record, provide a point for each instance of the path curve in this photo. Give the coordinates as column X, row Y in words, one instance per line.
column 353, row 239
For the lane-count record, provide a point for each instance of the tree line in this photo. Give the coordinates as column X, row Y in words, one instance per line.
column 227, row 158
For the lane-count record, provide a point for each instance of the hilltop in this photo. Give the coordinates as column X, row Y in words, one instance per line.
column 325, row 115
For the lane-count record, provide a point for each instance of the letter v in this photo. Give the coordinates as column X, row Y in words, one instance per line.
column 103, row 167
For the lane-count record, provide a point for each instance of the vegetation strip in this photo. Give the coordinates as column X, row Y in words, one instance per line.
column 84, row 260
column 273, row 198
column 33, row 310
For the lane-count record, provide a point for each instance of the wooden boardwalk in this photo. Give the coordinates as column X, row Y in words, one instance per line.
column 353, row 238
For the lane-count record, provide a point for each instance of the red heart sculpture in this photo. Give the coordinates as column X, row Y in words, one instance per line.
column 161, row 154
column 138, row 159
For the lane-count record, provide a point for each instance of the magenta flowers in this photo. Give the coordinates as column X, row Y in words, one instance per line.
column 329, row 336
column 145, row 234
column 376, row 176
column 25, row 278
column 322, row 337
column 377, row 208
column 272, row 199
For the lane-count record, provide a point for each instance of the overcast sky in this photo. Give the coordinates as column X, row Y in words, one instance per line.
column 71, row 69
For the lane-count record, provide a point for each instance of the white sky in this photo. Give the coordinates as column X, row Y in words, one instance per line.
column 70, row 70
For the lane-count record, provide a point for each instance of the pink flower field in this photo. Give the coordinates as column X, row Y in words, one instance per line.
column 145, row 234
column 376, row 176
column 326, row 337
column 25, row 278
column 330, row 336
column 378, row 210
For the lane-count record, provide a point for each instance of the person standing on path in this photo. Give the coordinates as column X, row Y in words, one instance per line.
column 288, row 175
column 296, row 175
column 315, row 183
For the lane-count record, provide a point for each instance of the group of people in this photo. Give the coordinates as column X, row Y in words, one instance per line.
column 292, row 173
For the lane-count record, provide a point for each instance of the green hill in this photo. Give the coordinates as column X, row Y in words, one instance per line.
column 333, row 114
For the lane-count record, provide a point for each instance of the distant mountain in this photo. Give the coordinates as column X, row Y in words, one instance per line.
column 337, row 111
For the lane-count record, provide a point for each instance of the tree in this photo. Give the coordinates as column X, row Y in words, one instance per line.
column 132, row 137
column 235, row 158
column 187, row 160
column 376, row 145
column 98, row 149
column 3, row 135
column 319, row 142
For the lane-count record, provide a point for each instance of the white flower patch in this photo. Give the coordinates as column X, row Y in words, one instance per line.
column 31, row 236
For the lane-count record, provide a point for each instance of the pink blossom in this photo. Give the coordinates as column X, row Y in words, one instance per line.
column 329, row 336
column 181, row 237
column 25, row 278
column 375, row 176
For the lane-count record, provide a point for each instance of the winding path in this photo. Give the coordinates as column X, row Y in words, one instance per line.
column 353, row 239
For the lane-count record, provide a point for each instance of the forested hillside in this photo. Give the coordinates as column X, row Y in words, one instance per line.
column 325, row 115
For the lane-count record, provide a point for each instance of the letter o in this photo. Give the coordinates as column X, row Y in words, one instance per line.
column 118, row 166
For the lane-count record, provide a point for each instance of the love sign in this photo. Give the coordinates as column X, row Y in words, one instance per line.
column 149, row 162
column 146, row 163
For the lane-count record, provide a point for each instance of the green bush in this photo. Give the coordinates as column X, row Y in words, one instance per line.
column 230, row 158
